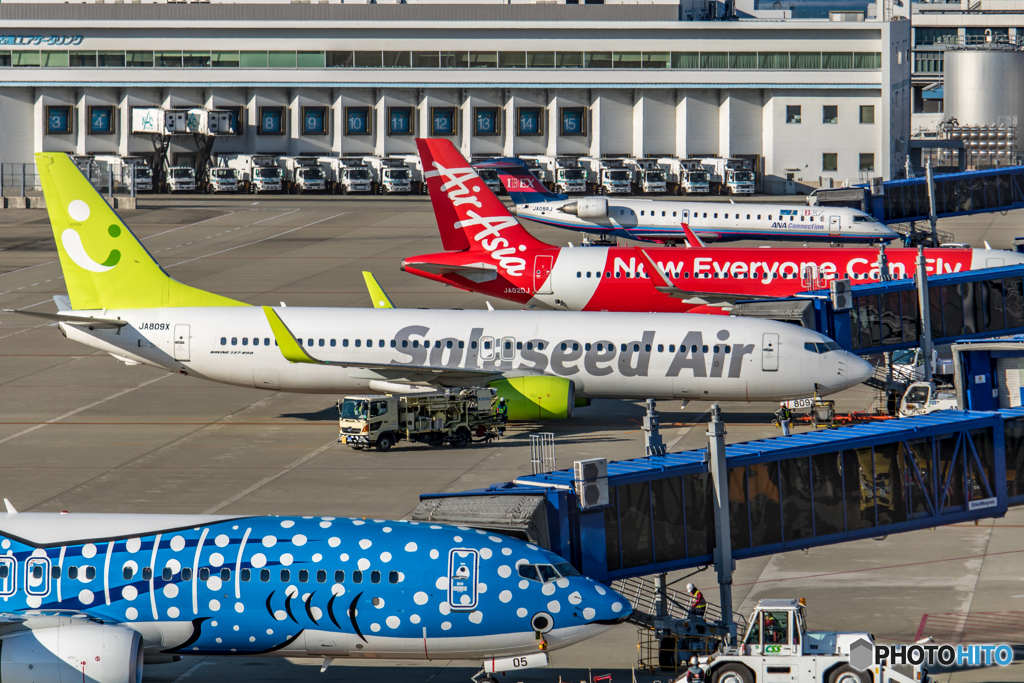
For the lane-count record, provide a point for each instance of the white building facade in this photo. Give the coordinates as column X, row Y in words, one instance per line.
column 805, row 99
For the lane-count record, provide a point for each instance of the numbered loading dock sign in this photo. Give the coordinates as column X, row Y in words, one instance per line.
column 463, row 573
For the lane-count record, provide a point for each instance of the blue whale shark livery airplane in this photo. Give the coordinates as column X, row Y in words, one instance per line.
column 99, row 595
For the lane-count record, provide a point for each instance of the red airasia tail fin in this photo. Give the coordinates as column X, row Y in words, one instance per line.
column 468, row 214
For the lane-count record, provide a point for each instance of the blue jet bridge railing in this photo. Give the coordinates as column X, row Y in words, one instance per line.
column 787, row 493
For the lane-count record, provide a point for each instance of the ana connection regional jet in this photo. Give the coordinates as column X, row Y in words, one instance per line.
column 700, row 279
column 95, row 597
column 120, row 301
column 661, row 221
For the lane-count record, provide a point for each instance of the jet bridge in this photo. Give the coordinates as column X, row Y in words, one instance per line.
column 787, row 493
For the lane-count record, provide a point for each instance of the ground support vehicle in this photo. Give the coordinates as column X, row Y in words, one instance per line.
column 391, row 175
column 563, row 174
column 121, row 168
column 684, row 176
column 729, row 176
column 606, row 176
column 222, row 180
column 450, row 417
column 777, row 647
column 302, row 174
column 180, row 179
column 417, row 183
column 257, row 173
column 648, row 176
column 922, row 398
column 346, row 175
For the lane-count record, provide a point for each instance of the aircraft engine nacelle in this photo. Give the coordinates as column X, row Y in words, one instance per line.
column 71, row 651
column 588, row 207
column 536, row 398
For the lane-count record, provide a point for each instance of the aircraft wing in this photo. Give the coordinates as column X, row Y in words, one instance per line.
column 476, row 272
column 663, row 284
column 294, row 352
column 94, row 323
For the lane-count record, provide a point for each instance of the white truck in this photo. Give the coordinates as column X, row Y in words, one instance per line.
column 648, row 176
column 606, row 176
column 562, row 174
column 122, row 169
column 922, row 398
column 302, row 174
column 346, row 175
column 180, row 179
column 258, row 173
column 417, row 182
column 391, row 175
column 685, row 176
column 453, row 417
column 731, row 176
column 777, row 646
column 221, row 180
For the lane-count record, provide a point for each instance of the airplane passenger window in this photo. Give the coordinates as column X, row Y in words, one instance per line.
column 72, row 572
column 671, row 348
column 448, row 344
column 728, row 349
column 321, row 576
column 321, row 342
column 575, row 346
column 716, row 348
column 310, row 342
column 472, row 344
column 234, row 341
column 608, row 273
column 128, row 572
column 579, row 274
column 661, row 348
column 673, row 214
column 303, row 575
column 641, row 213
column 588, row 273
column 264, row 575
column 359, row 342
column 255, row 341
column 647, row 348
column 245, row 341
column 508, row 346
column 405, row 343
column 705, row 215
column 344, row 342
column 705, row 348
column 266, row 341
column 662, row 213
column 167, row 574
column 519, row 346
column 415, row 344
column 487, row 345
column 339, row 576
column 334, row 342
column 186, row 573
column 147, row 573
column 375, row 576
column 376, row 602
column 586, row 347
column 623, row 348
column 462, row 344
column 540, row 346
column 758, row 216
column 223, row 341
column 55, row 572
column 245, row 575
column 529, row 346
column 716, row 215
column 286, row 576
column 225, row 574
column 204, row 573
column 369, row 343
column 693, row 349
column 392, row 343
column 393, row 577
column 357, row 576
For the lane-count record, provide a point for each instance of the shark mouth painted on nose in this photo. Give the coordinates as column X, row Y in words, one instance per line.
column 72, row 243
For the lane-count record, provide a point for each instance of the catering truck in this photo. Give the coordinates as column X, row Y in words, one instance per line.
column 606, row 176
column 729, row 176
column 648, row 176
column 180, row 179
column 121, row 167
column 346, row 175
column 390, row 175
column 257, row 173
column 684, row 176
column 452, row 417
column 302, row 174
column 562, row 174
column 221, row 180
column 777, row 646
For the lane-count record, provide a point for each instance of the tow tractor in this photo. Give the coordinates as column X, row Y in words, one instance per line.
column 452, row 417
column 922, row 398
column 778, row 647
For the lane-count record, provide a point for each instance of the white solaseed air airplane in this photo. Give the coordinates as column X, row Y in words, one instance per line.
column 121, row 301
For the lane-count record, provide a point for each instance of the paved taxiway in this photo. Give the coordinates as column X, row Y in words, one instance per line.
column 80, row 431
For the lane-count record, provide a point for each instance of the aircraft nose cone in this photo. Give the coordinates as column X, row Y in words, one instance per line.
column 606, row 606
column 856, row 369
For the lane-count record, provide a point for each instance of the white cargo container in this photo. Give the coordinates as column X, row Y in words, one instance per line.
column 160, row 121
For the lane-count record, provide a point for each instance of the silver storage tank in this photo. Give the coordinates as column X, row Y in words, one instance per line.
column 982, row 86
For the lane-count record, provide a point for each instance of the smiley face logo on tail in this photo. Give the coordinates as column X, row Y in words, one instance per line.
column 72, row 241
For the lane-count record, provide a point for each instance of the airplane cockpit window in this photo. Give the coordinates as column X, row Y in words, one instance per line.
column 821, row 347
column 528, row 571
column 544, row 573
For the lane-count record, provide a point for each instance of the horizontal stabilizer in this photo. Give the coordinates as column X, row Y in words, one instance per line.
column 71, row 319
column 475, row 272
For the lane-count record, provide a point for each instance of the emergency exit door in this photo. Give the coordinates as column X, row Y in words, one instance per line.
column 542, row 266
column 770, row 351
column 182, row 342
column 833, row 225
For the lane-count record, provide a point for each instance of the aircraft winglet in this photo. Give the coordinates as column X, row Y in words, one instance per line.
column 691, row 237
column 377, row 294
column 291, row 349
column 10, row 508
column 658, row 276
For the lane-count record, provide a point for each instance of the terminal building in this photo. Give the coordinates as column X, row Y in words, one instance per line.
column 809, row 101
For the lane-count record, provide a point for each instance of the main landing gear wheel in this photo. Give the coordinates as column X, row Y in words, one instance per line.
column 734, row 673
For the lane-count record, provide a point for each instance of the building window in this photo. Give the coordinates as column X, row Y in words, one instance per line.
column 444, row 121
column 626, row 60
column 400, row 121
column 488, row 121
column 714, row 60
column 170, row 58
column 358, row 121
column 792, row 113
column 867, row 113
column 656, row 60
column 830, row 113
column 59, row 120
column 315, row 120
column 272, row 121
column 546, row 60
column 829, row 161
column 224, row 60
column 85, row 58
column 773, row 60
column 573, row 121
column 101, row 120
column 867, row 162
column 483, row 60
column 597, row 60
column 397, row 60
column 368, row 59
column 530, row 121
column 426, row 60
column 139, row 59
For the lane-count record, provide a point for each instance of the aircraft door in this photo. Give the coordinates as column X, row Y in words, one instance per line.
column 486, row 348
column 182, row 342
column 811, row 278
column 542, row 266
column 833, row 225
column 770, row 351
column 508, row 348
column 37, row 576
column 463, row 578
column 8, row 576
